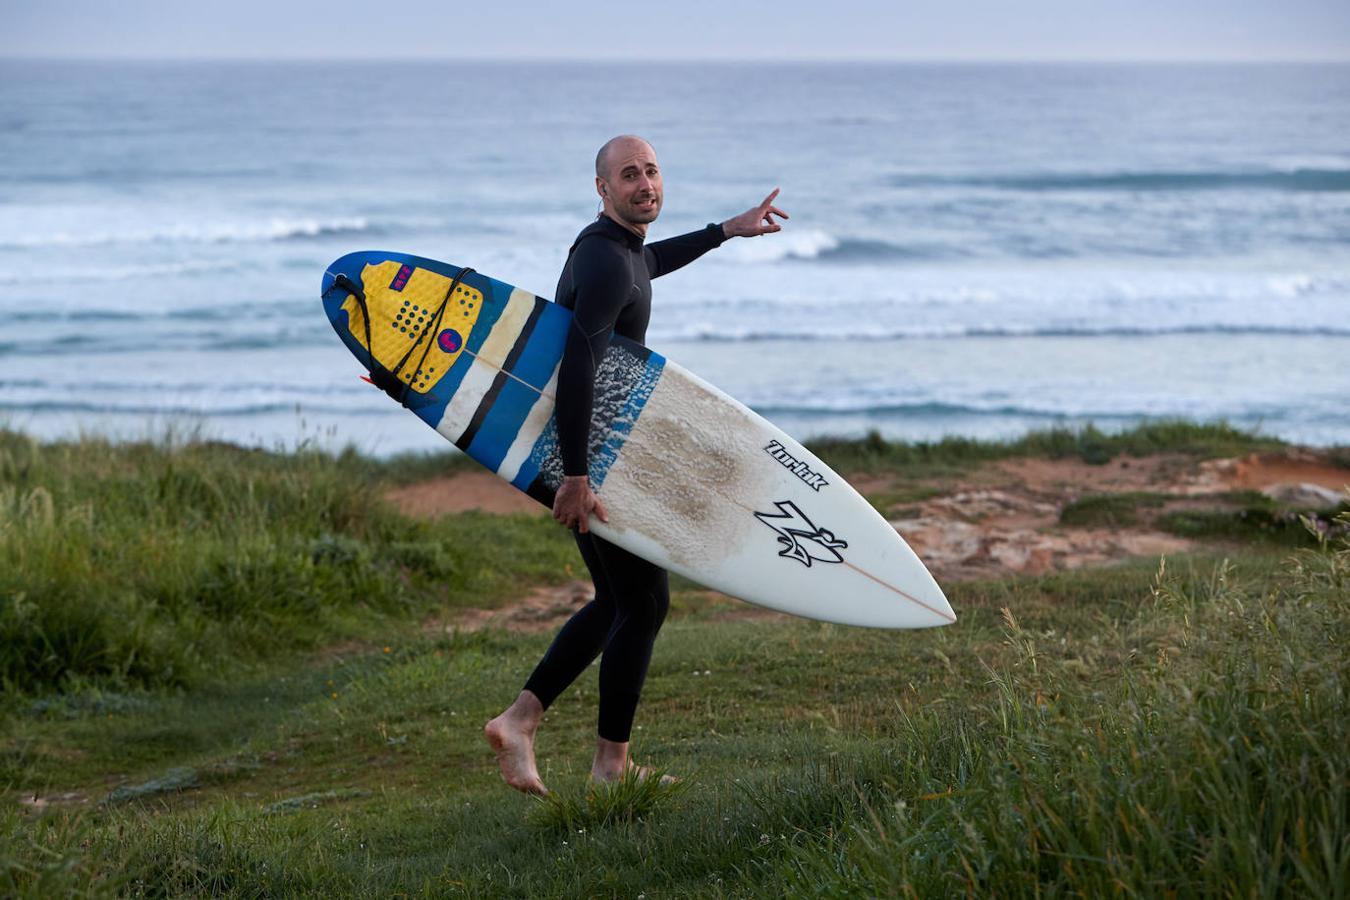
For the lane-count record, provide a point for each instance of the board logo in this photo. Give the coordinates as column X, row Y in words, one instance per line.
column 449, row 340
column 401, row 277
column 800, row 537
column 811, row 478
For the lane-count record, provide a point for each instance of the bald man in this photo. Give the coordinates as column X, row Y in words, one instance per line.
column 607, row 285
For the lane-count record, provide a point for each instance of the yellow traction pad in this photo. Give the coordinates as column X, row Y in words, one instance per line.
column 403, row 301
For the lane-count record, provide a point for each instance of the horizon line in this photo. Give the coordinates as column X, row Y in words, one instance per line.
column 692, row 60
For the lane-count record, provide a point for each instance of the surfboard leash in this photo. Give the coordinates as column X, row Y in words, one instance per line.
column 385, row 379
column 342, row 282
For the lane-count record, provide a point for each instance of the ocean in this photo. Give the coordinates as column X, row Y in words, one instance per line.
column 974, row 250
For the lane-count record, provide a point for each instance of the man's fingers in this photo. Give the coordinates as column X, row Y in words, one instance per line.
column 600, row 512
column 759, row 220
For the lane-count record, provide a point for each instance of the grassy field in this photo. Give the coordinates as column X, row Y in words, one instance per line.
column 220, row 678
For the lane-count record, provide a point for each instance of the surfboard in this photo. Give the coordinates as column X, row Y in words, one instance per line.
column 693, row 480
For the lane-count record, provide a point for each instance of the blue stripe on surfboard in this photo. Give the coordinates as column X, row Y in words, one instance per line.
column 531, row 362
column 624, row 422
column 499, row 429
column 535, row 366
column 529, row 470
column 547, row 444
column 544, row 447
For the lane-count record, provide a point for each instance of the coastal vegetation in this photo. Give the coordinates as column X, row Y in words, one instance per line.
column 1089, row 444
column 237, row 673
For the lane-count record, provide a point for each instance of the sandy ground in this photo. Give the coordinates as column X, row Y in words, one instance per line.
column 461, row 493
column 1001, row 519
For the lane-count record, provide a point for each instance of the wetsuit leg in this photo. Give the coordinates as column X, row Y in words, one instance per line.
column 581, row 638
column 644, row 599
column 632, row 597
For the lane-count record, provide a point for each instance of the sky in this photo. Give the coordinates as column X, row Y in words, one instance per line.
column 736, row 30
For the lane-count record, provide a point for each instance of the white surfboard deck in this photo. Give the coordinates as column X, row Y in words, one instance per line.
column 708, row 488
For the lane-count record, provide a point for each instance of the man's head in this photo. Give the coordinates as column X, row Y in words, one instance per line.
column 628, row 181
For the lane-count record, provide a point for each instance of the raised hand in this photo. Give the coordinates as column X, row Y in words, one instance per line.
column 756, row 221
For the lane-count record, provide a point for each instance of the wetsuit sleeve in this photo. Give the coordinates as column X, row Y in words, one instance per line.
column 603, row 279
column 666, row 256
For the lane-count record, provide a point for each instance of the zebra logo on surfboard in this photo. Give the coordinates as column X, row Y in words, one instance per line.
column 800, row 537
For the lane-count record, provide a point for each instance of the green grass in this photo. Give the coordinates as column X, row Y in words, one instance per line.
column 1109, row 510
column 1114, row 730
column 1255, row 521
column 1121, row 730
column 150, row 565
column 874, row 453
column 632, row 800
column 407, row 468
column 896, row 499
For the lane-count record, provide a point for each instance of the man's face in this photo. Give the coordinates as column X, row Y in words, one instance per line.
column 632, row 192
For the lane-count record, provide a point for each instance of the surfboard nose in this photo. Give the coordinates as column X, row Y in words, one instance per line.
column 942, row 607
column 936, row 601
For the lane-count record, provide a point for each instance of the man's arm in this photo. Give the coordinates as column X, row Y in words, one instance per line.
column 603, row 281
column 664, row 257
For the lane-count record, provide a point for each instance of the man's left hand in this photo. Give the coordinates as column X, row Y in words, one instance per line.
column 757, row 221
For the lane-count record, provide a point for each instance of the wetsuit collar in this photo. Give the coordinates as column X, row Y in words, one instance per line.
column 618, row 232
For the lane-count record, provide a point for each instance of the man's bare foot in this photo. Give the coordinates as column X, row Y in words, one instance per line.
column 511, row 736
column 612, row 763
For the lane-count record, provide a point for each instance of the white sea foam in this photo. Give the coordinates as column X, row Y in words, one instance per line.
column 788, row 244
column 187, row 232
column 75, row 275
column 1323, row 162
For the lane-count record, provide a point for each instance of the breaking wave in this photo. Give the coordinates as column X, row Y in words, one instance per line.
column 1298, row 179
column 260, row 231
column 815, row 332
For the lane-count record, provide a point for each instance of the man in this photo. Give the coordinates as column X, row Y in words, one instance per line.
column 607, row 285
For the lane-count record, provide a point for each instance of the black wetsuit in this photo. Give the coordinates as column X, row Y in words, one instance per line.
column 607, row 285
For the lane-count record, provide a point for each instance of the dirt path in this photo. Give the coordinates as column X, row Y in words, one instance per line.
column 1000, row 519
column 461, row 493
